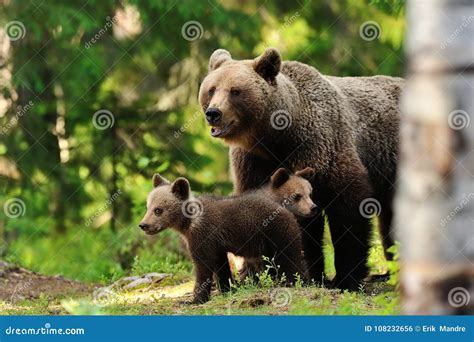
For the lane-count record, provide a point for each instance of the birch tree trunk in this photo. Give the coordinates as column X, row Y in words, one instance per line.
column 435, row 195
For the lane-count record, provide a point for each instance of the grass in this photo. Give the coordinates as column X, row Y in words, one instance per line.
column 91, row 257
column 247, row 300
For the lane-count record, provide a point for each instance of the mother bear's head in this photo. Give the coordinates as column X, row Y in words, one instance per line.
column 235, row 94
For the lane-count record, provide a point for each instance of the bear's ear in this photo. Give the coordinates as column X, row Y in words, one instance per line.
column 158, row 180
column 268, row 64
column 217, row 58
column 306, row 173
column 181, row 188
column 280, row 177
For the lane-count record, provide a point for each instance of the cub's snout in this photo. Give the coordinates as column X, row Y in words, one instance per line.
column 149, row 229
column 144, row 226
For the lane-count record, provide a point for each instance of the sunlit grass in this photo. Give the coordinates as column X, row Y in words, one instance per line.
column 65, row 255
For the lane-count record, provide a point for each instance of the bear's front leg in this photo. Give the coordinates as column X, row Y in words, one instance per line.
column 249, row 170
column 312, row 235
column 350, row 227
column 350, row 235
column 202, row 287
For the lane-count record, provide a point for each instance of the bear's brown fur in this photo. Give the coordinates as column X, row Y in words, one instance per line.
column 249, row 225
column 291, row 191
column 344, row 127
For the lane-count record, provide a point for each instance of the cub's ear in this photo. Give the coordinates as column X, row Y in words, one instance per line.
column 181, row 188
column 158, row 180
column 280, row 177
column 268, row 64
column 306, row 173
column 217, row 58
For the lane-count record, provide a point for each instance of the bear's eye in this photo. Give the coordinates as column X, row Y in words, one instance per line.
column 158, row 211
column 298, row 197
column 211, row 91
column 235, row 92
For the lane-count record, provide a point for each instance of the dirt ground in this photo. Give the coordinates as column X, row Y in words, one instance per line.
column 23, row 292
column 17, row 284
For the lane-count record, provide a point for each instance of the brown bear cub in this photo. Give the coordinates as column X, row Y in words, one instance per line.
column 249, row 225
column 292, row 192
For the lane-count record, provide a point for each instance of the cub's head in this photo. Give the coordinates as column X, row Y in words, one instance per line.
column 293, row 191
column 164, row 205
column 235, row 93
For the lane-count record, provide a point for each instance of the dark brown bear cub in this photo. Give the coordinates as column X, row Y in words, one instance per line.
column 213, row 226
column 292, row 192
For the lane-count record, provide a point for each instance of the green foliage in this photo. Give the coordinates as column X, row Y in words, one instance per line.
column 70, row 65
column 394, row 265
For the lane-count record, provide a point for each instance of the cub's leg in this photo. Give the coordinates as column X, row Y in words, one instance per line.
column 288, row 255
column 223, row 273
column 202, row 287
column 251, row 268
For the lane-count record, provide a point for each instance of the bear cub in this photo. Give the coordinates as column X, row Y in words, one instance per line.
column 292, row 191
column 213, row 226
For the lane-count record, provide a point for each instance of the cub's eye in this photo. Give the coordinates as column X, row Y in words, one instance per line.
column 235, row 92
column 298, row 197
column 211, row 91
column 158, row 211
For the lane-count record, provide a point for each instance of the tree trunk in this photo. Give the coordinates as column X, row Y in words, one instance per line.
column 435, row 198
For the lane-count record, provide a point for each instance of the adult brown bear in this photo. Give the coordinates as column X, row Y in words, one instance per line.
column 286, row 114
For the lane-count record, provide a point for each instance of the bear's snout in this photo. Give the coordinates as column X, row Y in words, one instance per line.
column 144, row 226
column 213, row 115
